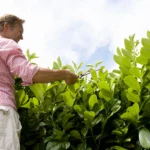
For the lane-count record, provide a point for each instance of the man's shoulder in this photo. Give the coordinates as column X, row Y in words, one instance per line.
column 7, row 43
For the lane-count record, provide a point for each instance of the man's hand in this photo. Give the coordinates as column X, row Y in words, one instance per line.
column 49, row 75
column 71, row 78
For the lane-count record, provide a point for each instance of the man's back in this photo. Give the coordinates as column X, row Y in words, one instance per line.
column 13, row 63
column 6, row 78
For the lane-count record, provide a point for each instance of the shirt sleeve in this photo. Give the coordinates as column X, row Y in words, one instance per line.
column 18, row 64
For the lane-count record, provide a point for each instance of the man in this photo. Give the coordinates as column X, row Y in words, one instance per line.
column 13, row 62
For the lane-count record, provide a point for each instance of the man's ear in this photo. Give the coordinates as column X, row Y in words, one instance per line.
column 6, row 26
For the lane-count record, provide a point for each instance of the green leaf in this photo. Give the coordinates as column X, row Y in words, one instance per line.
column 89, row 115
column 82, row 146
column 132, row 82
column 69, row 67
column 104, row 90
column 75, row 134
column 98, row 63
column 38, row 89
column 128, row 45
column 21, row 98
column 105, row 94
column 124, row 69
column 146, row 110
column 144, row 138
column 59, row 62
column 131, row 38
column 116, row 71
column 92, row 101
column 94, row 75
column 145, row 52
column 104, row 85
column 66, row 119
column 57, row 145
column 90, row 65
column 97, row 120
column 55, row 65
column 127, row 54
column 117, row 148
column 135, row 72
column 58, row 134
column 53, row 146
column 89, row 148
column 68, row 98
column 78, row 109
column 74, row 64
column 126, row 61
column 133, row 97
column 65, row 145
column 34, row 101
column 118, row 59
column 119, row 51
column 80, row 65
column 84, row 131
column 30, row 56
column 146, row 42
column 142, row 60
column 115, row 106
column 117, row 132
column 148, row 34
column 132, row 113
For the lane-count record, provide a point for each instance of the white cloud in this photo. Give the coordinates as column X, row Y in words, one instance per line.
column 74, row 29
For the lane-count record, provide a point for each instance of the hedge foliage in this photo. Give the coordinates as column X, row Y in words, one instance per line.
column 102, row 111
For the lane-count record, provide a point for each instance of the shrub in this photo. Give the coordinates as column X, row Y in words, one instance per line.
column 106, row 110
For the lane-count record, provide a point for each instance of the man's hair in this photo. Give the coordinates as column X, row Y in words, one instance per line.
column 12, row 20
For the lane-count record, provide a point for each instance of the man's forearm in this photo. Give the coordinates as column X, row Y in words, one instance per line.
column 47, row 75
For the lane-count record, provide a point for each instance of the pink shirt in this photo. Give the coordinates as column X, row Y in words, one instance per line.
column 13, row 63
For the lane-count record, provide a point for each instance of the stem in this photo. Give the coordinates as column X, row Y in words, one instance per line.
column 93, row 137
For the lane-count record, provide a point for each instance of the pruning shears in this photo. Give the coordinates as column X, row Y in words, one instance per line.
column 86, row 73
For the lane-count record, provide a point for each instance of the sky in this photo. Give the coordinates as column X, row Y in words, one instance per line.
column 85, row 31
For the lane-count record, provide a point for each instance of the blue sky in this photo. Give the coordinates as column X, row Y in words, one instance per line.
column 78, row 30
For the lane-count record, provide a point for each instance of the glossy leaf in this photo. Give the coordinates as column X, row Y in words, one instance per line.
column 142, row 60
column 132, row 82
column 135, row 72
column 146, row 42
column 119, row 51
column 127, row 53
column 94, row 75
column 38, row 90
column 59, row 62
column 69, row 67
column 131, row 113
column 68, row 98
column 21, row 98
column 92, row 101
column 117, row 148
column 126, row 62
column 98, row 63
column 145, row 52
column 104, row 85
column 81, row 146
column 144, row 138
column 89, row 115
column 133, row 97
column 75, row 134
column 55, row 65
column 148, row 34
column 78, row 109
column 128, row 44
column 118, row 59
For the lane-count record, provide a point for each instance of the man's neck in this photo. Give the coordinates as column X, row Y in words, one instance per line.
column 2, row 35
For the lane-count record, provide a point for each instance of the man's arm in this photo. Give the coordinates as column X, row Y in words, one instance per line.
column 44, row 75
